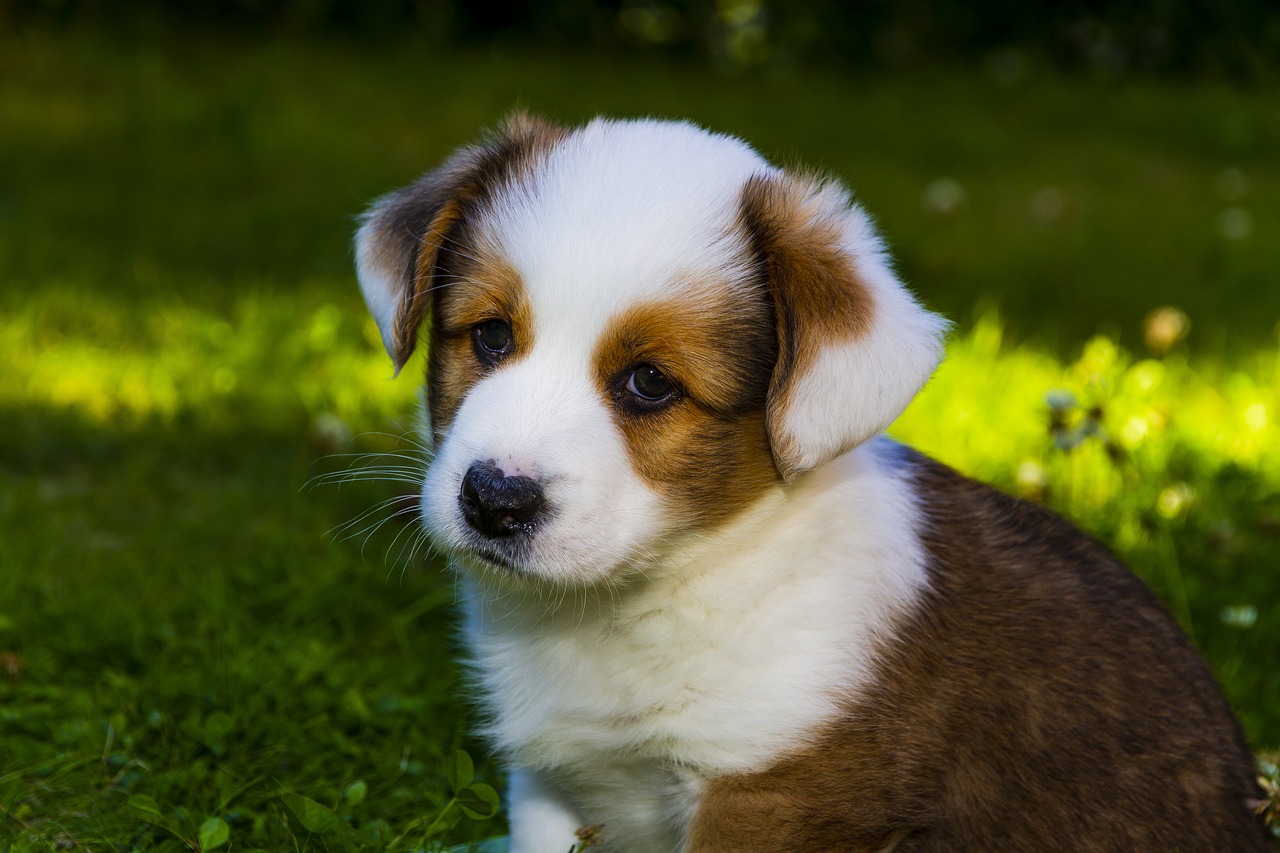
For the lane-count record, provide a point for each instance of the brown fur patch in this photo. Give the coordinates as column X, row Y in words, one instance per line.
column 820, row 299
column 479, row 288
column 419, row 230
column 707, row 452
column 416, row 301
column 1039, row 699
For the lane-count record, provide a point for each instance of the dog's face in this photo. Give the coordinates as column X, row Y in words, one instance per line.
column 636, row 329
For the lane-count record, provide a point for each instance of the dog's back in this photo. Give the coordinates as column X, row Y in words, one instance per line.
column 1039, row 698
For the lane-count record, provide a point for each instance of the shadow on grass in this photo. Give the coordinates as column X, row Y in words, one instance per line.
column 175, row 624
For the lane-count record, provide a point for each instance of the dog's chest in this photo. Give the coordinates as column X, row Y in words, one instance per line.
column 633, row 714
column 632, row 698
column 670, row 684
column 631, row 717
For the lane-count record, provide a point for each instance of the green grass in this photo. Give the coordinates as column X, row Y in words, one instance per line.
column 185, row 633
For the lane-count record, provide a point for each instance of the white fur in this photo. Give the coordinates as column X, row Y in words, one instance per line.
column 636, row 660
column 379, row 279
column 726, row 652
column 594, row 230
column 542, row 812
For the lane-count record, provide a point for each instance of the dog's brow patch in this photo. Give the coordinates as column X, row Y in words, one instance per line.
column 708, row 454
column 481, row 287
column 484, row 289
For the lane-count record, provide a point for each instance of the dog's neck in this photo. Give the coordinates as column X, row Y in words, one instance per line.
column 842, row 504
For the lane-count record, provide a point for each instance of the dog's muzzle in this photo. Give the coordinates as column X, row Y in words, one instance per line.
column 498, row 506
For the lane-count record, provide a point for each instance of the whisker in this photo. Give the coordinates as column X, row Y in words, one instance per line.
column 381, row 472
column 369, row 532
column 399, row 533
column 371, row 511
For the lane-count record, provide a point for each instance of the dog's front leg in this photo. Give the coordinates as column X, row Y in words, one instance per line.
column 542, row 820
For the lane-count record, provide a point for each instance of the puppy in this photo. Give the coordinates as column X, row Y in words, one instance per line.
column 708, row 606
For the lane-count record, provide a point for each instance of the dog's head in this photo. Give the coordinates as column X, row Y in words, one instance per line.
column 636, row 328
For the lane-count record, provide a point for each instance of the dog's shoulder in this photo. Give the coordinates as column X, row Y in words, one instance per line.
column 1036, row 691
column 976, row 534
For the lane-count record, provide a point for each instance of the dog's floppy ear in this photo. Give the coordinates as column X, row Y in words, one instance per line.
column 854, row 347
column 403, row 236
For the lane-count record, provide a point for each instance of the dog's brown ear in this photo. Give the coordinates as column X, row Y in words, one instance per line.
column 854, row 347
column 403, row 236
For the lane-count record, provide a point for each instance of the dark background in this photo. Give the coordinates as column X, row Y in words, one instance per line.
column 1236, row 39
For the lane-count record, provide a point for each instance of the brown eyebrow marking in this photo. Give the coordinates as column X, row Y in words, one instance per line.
column 480, row 287
column 707, row 453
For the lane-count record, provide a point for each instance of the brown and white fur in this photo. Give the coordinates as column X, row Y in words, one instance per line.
column 708, row 606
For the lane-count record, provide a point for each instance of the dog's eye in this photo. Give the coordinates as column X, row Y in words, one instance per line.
column 648, row 383
column 492, row 340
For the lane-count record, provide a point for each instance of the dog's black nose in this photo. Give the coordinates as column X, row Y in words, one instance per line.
column 497, row 505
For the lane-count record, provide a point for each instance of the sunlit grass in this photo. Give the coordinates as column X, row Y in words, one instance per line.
column 267, row 356
column 1017, row 414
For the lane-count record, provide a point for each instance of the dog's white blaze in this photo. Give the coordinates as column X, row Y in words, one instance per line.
column 623, row 211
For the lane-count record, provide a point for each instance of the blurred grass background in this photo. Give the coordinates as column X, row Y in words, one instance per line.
column 193, row 647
